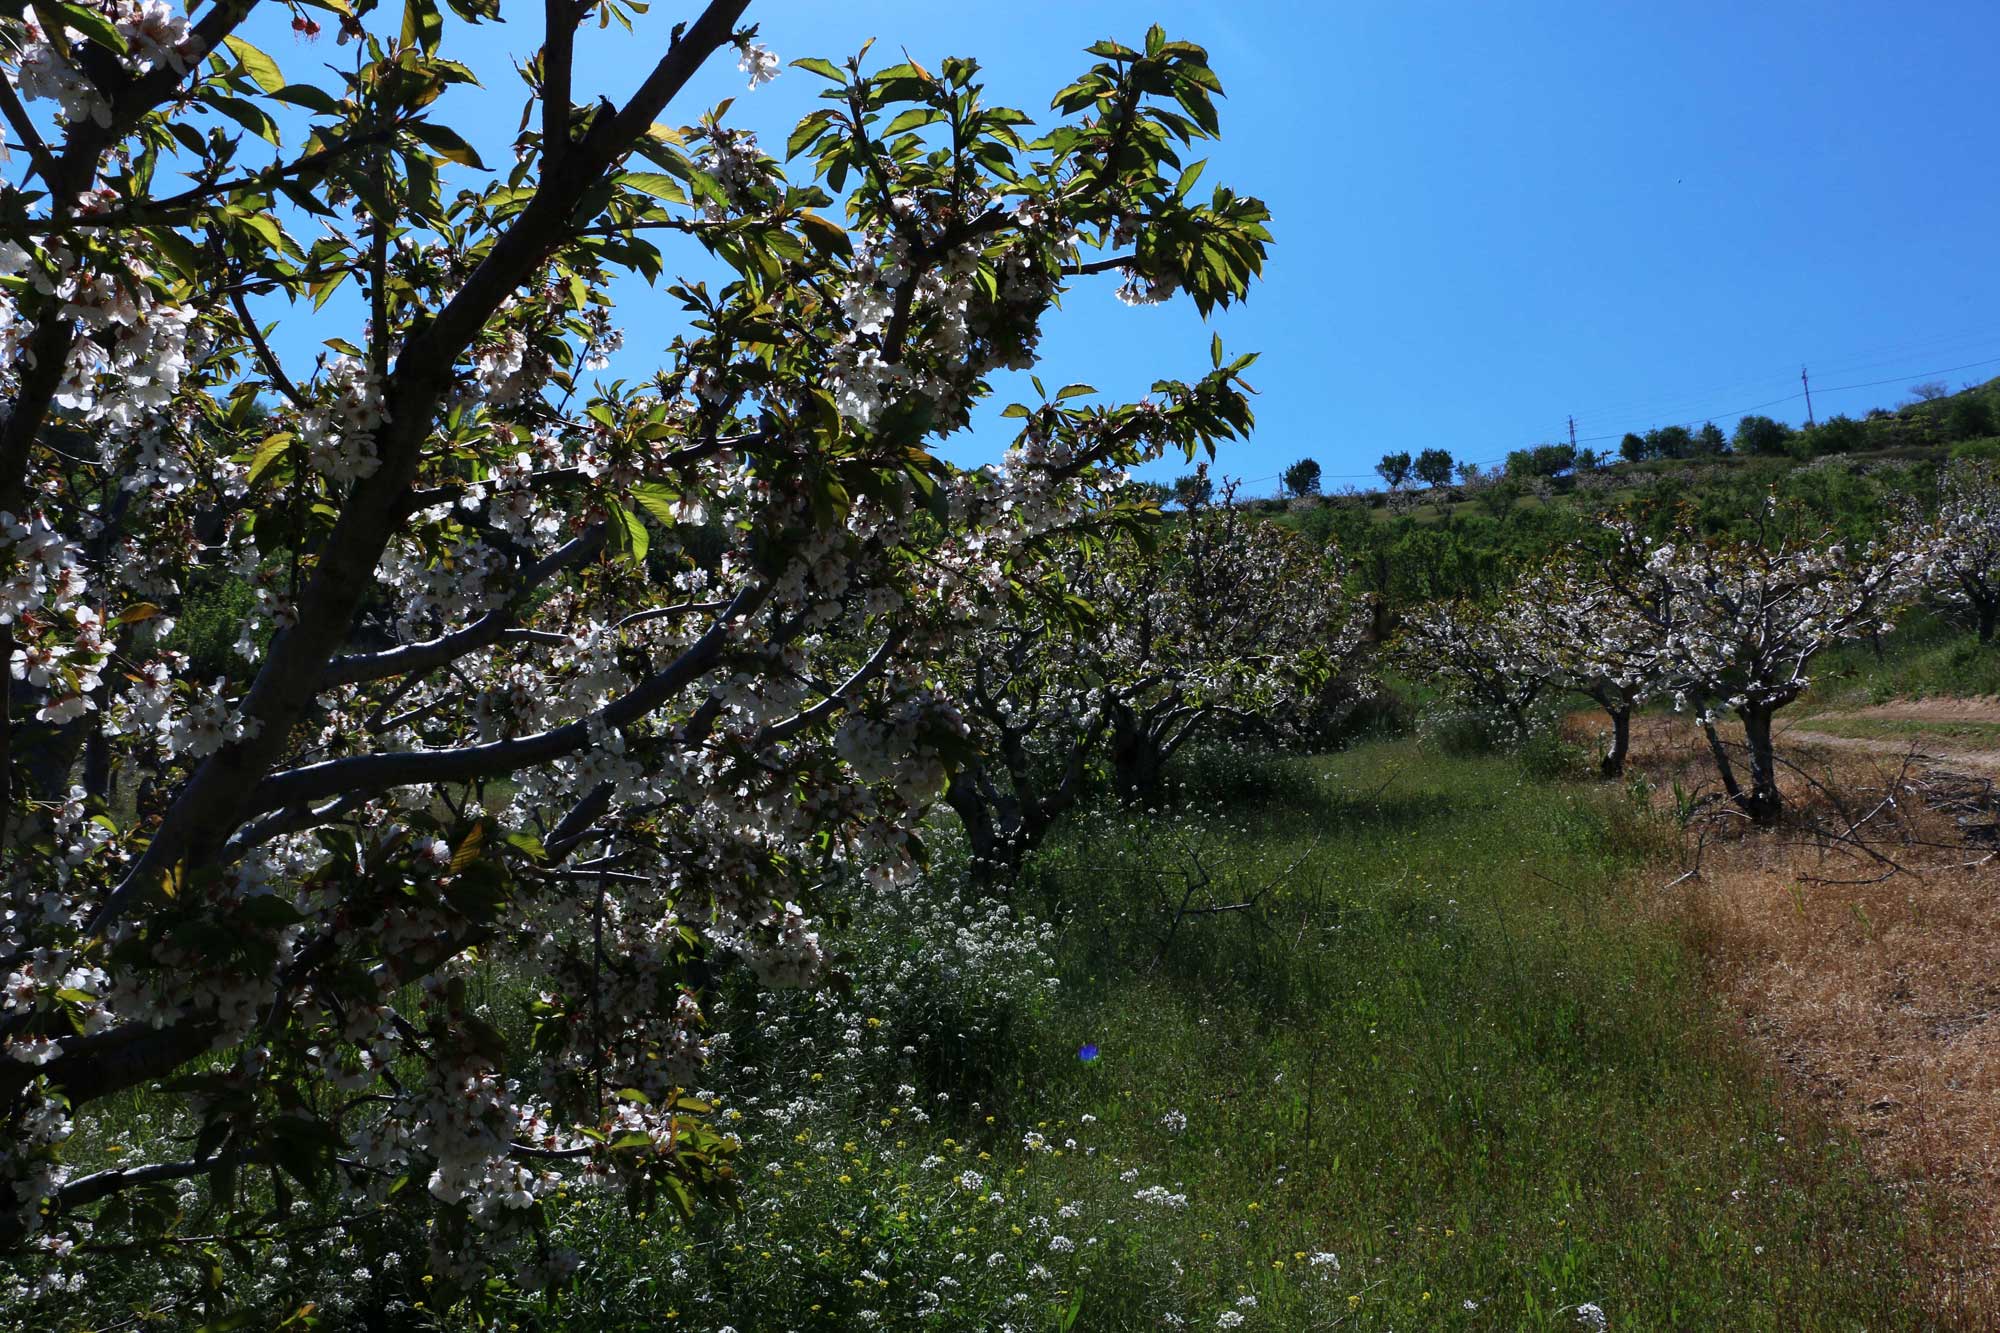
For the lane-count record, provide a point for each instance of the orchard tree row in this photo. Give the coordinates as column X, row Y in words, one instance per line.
column 605, row 684
column 1932, row 418
column 1724, row 628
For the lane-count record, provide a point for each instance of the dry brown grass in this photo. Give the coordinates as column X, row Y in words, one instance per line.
column 1859, row 943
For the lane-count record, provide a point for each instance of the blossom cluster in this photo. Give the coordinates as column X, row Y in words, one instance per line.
column 1718, row 626
column 1235, row 621
column 344, row 684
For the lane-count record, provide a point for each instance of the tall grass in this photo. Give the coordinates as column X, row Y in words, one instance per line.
column 1928, row 655
column 1442, row 1065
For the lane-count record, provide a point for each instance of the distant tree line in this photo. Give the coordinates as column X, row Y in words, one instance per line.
column 1933, row 417
column 1419, row 554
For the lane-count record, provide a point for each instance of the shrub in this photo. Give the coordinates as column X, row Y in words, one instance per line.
column 1233, row 772
column 1460, row 732
column 1545, row 753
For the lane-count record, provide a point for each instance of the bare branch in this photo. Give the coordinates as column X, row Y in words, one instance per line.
column 482, row 633
column 837, row 698
column 265, row 358
column 24, row 130
column 370, row 773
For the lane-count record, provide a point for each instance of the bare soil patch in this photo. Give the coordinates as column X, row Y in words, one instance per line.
column 1963, row 733
column 1859, row 944
column 1981, row 708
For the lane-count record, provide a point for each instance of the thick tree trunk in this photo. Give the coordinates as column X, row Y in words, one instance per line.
column 1989, row 620
column 1001, row 828
column 97, row 760
column 1136, row 759
column 962, row 795
column 1763, row 803
column 995, row 855
column 1613, row 765
column 1722, row 764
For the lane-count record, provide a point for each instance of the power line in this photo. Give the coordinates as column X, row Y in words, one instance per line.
column 1788, row 398
column 1684, row 403
column 1804, row 393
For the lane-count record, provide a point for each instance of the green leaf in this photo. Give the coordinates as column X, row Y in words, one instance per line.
column 261, row 68
column 1188, row 178
column 656, row 183
column 629, row 537
column 267, row 228
column 326, row 288
column 825, row 235
column 826, row 69
column 807, row 130
column 658, row 501
column 245, row 113
column 528, row 845
column 422, row 25
column 914, row 118
column 447, row 143
column 1074, row 391
column 468, row 851
column 269, row 452
column 91, row 22
column 309, row 97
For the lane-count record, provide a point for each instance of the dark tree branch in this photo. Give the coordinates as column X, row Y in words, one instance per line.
column 559, row 21
column 836, row 699
column 482, row 633
column 370, row 773
column 24, row 130
column 265, row 358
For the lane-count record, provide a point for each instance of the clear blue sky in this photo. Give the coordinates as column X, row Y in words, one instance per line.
column 1490, row 216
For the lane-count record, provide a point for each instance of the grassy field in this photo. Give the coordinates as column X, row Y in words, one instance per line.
column 1437, row 1062
column 1630, row 480
column 1928, row 656
column 1965, row 734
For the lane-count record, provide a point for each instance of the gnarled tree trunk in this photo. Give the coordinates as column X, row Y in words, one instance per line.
column 1722, row 764
column 1137, row 757
column 1763, row 802
column 1613, row 764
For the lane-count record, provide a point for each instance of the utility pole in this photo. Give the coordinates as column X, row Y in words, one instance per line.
column 1808, row 383
column 1572, row 434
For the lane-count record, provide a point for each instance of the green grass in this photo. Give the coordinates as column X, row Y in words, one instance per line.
column 1979, row 734
column 1926, row 656
column 1449, row 1044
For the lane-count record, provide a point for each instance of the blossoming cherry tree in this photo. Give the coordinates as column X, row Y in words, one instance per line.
column 588, row 686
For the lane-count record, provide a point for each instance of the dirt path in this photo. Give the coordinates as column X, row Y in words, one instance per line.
column 1981, row 708
column 1961, row 734
column 1983, row 762
column 1869, row 977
